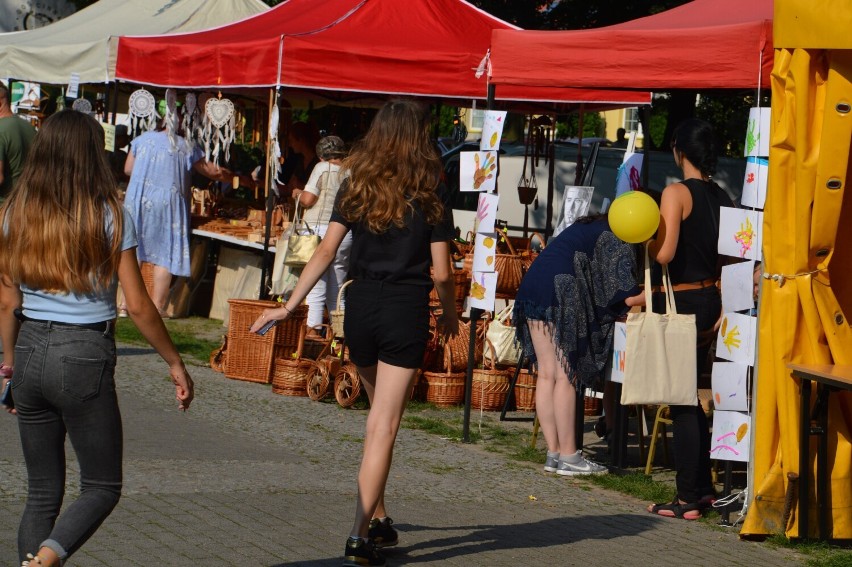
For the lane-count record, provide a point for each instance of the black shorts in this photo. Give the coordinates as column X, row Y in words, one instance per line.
column 386, row 322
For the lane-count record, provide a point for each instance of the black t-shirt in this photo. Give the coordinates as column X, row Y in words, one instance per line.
column 399, row 255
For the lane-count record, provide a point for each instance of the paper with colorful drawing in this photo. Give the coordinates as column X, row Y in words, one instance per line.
column 740, row 233
column 754, row 182
column 483, row 285
column 478, row 171
column 729, row 384
column 484, row 252
column 730, row 438
column 492, row 129
column 736, row 338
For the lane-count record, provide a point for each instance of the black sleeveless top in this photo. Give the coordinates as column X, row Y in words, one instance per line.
column 696, row 256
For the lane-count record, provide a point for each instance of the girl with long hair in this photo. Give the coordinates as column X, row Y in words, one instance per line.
column 65, row 243
column 396, row 207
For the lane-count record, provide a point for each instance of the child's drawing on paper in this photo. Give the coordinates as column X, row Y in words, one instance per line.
column 486, row 213
column 735, row 341
column 484, row 251
column 731, row 437
column 757, row 132
column 738, row 286
column 730, row 386
column 619, row 350
column 478, row 171
column 492, row 129
column 740, row 233
column 482, row 288
column 627, row 177
column 754, row 182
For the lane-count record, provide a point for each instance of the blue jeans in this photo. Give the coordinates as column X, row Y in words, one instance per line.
column 64, row 383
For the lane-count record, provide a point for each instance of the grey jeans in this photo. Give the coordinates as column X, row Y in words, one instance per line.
column 64, row 384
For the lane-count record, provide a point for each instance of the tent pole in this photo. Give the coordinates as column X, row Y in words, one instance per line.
column 475, row 316
column 270, row 206
column 645, row 116
column 114, row 101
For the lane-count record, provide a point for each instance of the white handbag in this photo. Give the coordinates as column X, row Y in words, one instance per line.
column 660, row 365
column 501, row 334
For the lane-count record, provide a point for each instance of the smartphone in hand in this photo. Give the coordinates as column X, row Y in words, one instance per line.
column 6, row 397
column 268, row 325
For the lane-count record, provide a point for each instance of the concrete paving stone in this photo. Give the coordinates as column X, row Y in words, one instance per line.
column 250, row 476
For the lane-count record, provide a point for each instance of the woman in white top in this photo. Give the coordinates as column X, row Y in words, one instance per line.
column 317, row 200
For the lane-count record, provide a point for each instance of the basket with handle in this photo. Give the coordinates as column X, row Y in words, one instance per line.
column 490, row 386
column 525, row 390
column 509, row 270
column 250, row 356
column 444, row 389
column 461, row 279
column 290, row 376
column 336, row 316
column 456, row 348
column 529, row 255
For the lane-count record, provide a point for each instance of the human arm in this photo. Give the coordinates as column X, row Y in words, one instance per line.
column 445, row 286
column 634, row 300
column 10, row 299
column 147, row 319
column 213, row 171
column 672, row 206
column 318, row 264
column 128, row 163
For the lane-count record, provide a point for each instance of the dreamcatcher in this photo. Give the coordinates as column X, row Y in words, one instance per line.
column 275, row 149
column 82, row 105
column 218, row 132
column 143, row 112
column 170, row 116
column 190, row 117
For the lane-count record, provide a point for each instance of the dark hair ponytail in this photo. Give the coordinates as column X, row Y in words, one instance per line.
column 696, row 139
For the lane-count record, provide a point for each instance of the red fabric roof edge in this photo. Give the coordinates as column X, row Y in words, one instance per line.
column 416, row 47
column 705, row 44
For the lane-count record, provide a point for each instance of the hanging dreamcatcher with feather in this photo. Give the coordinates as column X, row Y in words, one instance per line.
column 143, row 112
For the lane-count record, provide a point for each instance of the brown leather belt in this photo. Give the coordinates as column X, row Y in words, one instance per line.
column 686, row 286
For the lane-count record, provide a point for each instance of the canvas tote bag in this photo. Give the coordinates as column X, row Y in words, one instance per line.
column 660, row 365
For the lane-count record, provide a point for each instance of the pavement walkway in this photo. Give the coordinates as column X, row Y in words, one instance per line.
column 247, row 477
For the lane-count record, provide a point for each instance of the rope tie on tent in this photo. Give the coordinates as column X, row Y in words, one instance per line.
column 781, row 279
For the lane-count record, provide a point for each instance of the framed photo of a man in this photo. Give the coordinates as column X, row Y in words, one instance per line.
column 575, row 204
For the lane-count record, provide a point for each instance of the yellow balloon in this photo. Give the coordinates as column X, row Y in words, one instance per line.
column 634, row 217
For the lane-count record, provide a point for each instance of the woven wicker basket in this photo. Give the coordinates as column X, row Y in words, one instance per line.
column 336, row 316
column 444, row 389
column 250, row 356
column 319, row 384
column 489, row 386
column 525, row 391
column 347, row 385
column 290, row 377
column 456, row 348
column 461, row 281
column 592, row 406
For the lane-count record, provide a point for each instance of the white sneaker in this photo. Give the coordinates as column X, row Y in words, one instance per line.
column 583, row 467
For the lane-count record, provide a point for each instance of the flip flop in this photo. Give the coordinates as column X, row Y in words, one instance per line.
column 675, row 509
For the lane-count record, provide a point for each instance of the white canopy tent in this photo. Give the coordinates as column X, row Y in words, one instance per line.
column 85, row 42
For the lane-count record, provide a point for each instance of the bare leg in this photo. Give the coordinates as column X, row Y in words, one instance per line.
column 160, row 291
column 387, row 388
column 555, row 396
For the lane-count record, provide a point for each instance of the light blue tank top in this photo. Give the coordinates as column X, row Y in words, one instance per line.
column 92, row 307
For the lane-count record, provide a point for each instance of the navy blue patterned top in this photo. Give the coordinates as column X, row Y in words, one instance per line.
column 578, row 284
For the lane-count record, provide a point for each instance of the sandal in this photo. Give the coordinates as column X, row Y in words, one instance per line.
column 675, row 509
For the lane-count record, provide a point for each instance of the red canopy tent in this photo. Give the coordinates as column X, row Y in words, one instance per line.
column 417, row 47
column 705, row 44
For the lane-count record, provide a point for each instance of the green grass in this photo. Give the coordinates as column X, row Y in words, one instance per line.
column 817, row 554
column 635, row 484
column 193, row 337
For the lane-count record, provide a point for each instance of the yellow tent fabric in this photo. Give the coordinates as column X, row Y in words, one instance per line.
column 801, row 319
